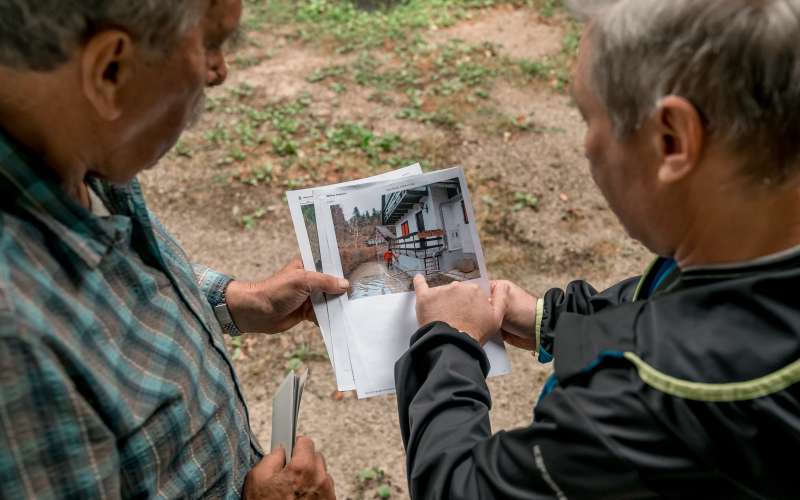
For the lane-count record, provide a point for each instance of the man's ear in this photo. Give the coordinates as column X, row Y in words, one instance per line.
column 107, row 65
column 681, row 138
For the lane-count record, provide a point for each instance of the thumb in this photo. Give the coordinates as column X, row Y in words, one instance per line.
column 318, row 282
column 420, row 284
column 499, row 299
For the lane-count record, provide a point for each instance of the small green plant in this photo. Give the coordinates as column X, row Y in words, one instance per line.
column 181, row 149
column 373, row 480
column 324, row 73
column 369, row 473
column 293, row 364
column 549, row 8
column 244, row 62
column 535, row 69
column 572, row 39
column 300, row 355
column 295, row 183
column 236, row 154
column 218, row 135
column 236, row 343
column 259, row 175
column 242, row 91
column 350, row 136
column 525, row 200
column 284, row 147
column 249, row 221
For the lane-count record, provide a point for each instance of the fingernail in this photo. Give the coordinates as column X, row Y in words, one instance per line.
column 343, row 283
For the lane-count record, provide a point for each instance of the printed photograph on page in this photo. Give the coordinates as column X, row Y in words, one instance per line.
column 386, row 239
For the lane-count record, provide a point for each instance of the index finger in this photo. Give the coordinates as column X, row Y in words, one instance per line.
column 420, row 284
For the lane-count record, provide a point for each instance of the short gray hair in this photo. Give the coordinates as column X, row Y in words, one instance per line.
column 736, row 61
column 42, row 34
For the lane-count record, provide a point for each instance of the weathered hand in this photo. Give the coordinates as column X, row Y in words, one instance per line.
column 464, row 306
column 306, row 476
column 519, row 314
column 280, row 301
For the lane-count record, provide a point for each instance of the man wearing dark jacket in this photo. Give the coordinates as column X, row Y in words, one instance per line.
column 680, row 383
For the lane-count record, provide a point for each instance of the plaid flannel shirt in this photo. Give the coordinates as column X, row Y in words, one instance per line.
column 114, row 379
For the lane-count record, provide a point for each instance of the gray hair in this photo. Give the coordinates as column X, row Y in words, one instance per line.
column 736, row 61
column 42, row 34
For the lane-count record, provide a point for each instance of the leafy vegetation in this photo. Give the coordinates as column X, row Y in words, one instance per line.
column 373, row 483
column 378, row 49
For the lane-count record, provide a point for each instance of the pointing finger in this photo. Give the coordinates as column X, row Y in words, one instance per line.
column 420, row 285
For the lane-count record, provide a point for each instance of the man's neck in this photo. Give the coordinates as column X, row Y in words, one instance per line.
column 41, row 123
column 747, row 225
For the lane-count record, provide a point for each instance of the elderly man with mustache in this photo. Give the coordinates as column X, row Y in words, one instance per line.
column 114, row 380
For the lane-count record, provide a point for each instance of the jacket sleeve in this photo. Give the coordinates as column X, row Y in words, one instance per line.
column 579, row 298
column 585, row 441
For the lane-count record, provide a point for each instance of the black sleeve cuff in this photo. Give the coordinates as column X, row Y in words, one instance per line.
column 440, row 334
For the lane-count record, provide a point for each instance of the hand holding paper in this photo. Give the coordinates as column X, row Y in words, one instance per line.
column 306, row 472
column 293, row 469
column 519, row 325
column 280, row 301
column 379, row 235
column 304, row 217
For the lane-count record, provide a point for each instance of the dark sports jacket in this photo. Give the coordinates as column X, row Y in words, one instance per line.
column 679, row 384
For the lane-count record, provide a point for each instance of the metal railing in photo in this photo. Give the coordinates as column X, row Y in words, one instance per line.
column 425, row 245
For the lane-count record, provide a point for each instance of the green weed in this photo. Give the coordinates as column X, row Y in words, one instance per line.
column 525, row 200
column 373, row 480
column 181, row 149
column 248, row 221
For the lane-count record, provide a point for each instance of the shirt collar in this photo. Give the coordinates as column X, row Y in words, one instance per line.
column 31, row 187
column 792, row 253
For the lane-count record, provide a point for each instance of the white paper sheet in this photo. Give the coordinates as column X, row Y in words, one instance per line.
column 374, row 325
column 305, row 198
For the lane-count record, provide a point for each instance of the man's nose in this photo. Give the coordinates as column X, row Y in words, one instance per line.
column 218, row 72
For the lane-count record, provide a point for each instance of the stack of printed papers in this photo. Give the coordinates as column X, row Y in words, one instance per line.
column 379, row 233
column 285, row 411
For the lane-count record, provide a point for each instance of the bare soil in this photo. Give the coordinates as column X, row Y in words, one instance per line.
column 569, row 233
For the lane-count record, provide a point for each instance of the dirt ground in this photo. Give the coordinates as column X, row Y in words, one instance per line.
column 560, row 228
